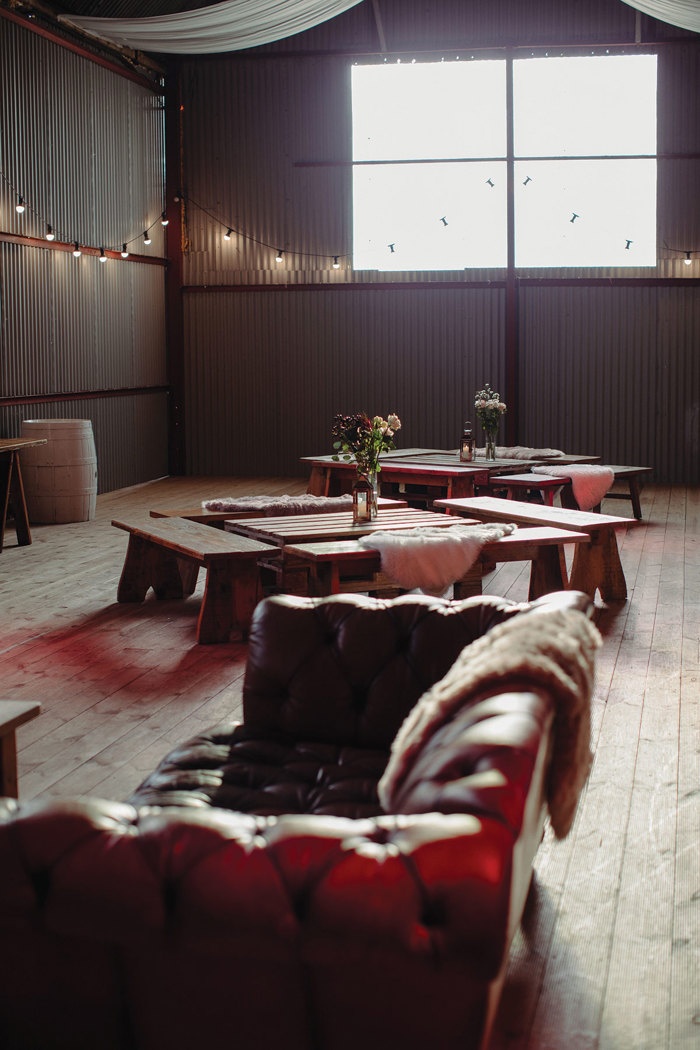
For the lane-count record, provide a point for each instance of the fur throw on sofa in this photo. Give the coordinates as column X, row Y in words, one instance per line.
column 553, row 649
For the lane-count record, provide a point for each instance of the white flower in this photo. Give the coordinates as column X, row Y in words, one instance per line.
column 394, row 422
column 501, row 406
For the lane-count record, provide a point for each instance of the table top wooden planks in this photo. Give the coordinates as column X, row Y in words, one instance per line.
column 303, row 528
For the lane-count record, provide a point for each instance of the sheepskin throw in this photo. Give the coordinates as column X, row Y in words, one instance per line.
column 431, row 557
column 589, row 482
column 271, row 506
column 553, row 649
column 523, row 452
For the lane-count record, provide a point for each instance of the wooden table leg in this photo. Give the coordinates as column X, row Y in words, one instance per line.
column 634, row 496
column 230, row 597
column 8, row 764
column 5, row 469
column 136, row 574
column 13, row 500
column 546, row 573
column 597, row 566
column 470, row 583
column 319, row 480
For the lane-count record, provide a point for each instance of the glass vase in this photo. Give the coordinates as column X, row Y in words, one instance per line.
column 490, row 450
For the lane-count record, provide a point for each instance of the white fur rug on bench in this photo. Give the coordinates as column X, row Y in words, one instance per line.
column 589, row 482
column 552, row 649
column 430, row 558
column 270, row 506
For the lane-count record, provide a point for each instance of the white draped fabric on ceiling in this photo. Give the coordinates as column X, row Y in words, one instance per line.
column 682, row 13
column 229, row 26
column 238, row 24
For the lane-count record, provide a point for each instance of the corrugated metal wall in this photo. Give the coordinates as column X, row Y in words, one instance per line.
column 609, row 370
column 85, row 149
column 267, row 370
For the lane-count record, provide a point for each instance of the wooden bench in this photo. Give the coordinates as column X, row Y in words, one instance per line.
column 548, row 485
column 346, row 565
column 629, row 476
column 166, row 555
column 596, row 565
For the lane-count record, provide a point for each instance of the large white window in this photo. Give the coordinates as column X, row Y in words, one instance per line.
column 430, row 163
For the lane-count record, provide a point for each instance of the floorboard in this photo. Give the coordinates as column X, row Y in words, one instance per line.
column 608, row 954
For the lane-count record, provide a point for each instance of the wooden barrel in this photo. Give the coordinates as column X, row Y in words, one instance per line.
column 60, row 477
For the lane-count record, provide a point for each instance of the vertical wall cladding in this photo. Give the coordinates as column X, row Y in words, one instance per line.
column 588, row 371
column 267, row 146
column 267, row 370
column 85, row 148
column 130, row 434
column 615, row 372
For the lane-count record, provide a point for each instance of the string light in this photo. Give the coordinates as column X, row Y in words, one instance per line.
column 687, row 261
column 20, row 207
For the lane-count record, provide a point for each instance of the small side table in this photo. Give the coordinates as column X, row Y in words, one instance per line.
column 13, row 713
column 11, row 488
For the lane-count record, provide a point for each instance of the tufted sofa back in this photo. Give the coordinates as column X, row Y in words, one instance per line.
column 348, row 669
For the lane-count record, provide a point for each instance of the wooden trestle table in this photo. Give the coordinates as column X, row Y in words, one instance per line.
column 12, row 489
column 422, row 474
column 291, row 572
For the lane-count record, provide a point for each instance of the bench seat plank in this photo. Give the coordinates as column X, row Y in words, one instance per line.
column 596, row 565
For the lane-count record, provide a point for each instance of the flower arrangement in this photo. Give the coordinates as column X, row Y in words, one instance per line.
column 363, row 439
column 489, row 409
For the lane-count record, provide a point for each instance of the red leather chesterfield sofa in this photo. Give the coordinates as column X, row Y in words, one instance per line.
column 253, row 893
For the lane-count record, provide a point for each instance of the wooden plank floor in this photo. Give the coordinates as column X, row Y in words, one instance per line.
column 608, row 956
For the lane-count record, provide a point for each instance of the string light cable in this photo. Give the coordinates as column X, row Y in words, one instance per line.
column 332, row 257
column 24, row 207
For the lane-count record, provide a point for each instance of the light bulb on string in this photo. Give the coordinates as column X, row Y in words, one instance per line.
column 19, row 206
column 279, row 256
column 125, row 254
column 687, row 261
column 164, row 220
column 336, row 264
column 146, row 237
column 50, row 235
column 103, row 257
column 227, row 235
column 76, row 251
